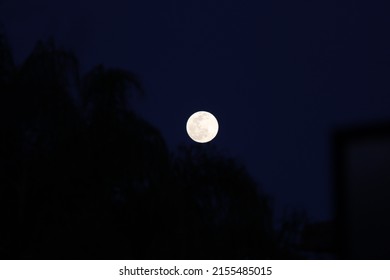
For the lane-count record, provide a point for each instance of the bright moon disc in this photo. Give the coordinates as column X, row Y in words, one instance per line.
column 202, row 127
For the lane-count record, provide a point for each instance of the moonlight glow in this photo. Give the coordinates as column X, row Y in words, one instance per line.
column 202, row 127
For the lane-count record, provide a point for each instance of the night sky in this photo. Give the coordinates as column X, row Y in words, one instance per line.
column 279, row 76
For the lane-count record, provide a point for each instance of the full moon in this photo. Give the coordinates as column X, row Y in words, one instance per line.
column 202, row 127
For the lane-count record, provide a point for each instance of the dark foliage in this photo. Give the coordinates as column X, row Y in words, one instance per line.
column 83, row 177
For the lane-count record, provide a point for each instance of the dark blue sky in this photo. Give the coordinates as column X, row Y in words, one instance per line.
column 278, row 76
